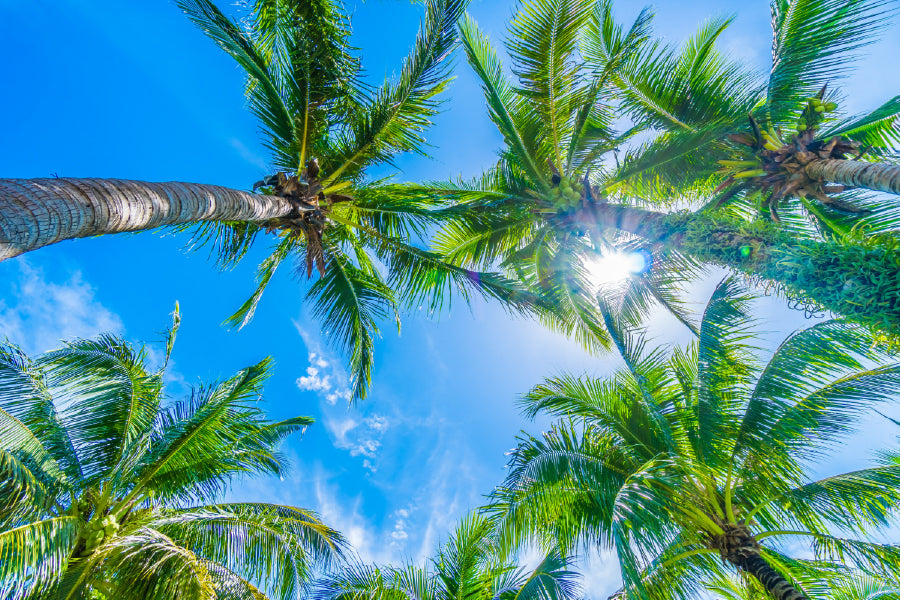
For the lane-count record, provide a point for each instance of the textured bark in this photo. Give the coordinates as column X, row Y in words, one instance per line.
column 38, row 212
column 859, row 279
column 772, row 580
column 873, row 176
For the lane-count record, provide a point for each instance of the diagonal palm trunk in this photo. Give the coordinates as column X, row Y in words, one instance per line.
column 859, row 281
column 880, row 177
column 39, row 212
column 772, row 580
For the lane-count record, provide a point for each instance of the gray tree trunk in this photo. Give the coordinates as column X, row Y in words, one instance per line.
column 774, row 582
column 39, row 212
column 881, row 177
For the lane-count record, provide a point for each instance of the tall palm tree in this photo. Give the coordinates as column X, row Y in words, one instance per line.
column 769, row 146
column 326, row 129
column 698, row 462
column 556, row 200
column 470, row 565
column 107, row 491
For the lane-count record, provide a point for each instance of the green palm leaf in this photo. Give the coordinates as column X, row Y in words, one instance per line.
column 815, row 42
column 399, row 112
column 351, row 300
column 505, row 109
column 33, row 555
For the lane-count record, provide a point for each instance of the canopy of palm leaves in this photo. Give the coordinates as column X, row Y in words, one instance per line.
column 326, row 128
column 106, row 491
column 470, row 565
column 531, row 215
column 728, row 137
column 697, row 461
column 559, row 196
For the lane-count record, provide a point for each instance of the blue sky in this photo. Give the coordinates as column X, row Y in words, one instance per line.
column 132, row 90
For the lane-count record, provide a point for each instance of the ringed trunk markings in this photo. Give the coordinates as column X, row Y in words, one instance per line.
column 874, row 176
column 38, row 212
column 772, row 580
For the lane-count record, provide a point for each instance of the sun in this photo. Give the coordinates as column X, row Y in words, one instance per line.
column 615, row 267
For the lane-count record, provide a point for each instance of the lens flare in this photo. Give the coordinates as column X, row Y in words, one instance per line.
column 616, row 267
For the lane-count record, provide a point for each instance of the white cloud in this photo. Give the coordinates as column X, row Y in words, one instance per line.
column 43, row 312
column 322, row 375
column 360, row 438
column 333, row 397
column 314, row 382
column 377, row 423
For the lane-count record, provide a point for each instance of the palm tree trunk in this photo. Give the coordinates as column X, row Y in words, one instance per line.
column 859, row 280
column 38, row 212
column 873, row 176
column 772, row 580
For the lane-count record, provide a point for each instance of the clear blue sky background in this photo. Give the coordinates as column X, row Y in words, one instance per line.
column 132, row 90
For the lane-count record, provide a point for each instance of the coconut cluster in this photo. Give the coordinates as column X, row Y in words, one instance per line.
column 567, row 195
column 100, row 529
column 814, row 107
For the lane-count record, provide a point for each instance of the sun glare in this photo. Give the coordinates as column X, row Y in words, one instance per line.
column 616, row 267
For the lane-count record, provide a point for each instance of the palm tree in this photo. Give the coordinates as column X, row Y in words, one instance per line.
column 769, row 147
column 470, row 565
column 555, row 199
column 697, row 462
column 326, row 129
column 842, row 584
column 105, row 492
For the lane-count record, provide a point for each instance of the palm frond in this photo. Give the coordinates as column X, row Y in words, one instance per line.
column 307, row 45
column 33, row 556
column 29, row 420
column 803, row 366
column 117, row 399
column 552, row 579
column 350, row 301
column 147, row 564
column 815, row 43
column 724, row 365
column 542, row 43
column 855, row 501
column 877, row 131
column 266, row 92
column 399, row 112
column 264, row 274
column 276, row 546
column 504, row 105
column 228, row 241
column 23, row 496
column 191, row 454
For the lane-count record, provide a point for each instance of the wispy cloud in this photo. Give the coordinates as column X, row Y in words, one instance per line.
column 42, row 312
column 360, row 436
column 348, row 518
column 248, row 155
column 600, row 574
column 323, row 375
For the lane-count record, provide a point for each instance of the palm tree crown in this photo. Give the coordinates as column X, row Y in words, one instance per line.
column 560, row 195
column 470, row 565
column 326, row 129
column 775, row 146
column 105, row 492
column 700, row 459
column 534, row 214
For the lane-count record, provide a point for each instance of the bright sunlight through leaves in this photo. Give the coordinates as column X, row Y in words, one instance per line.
column 615, row 267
